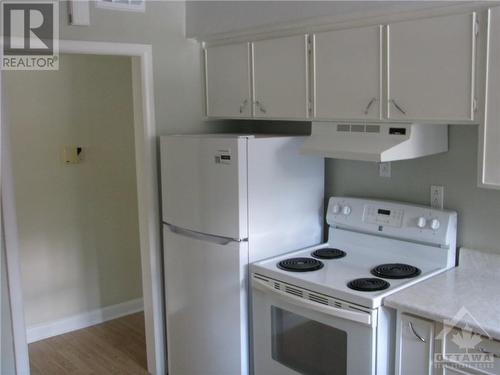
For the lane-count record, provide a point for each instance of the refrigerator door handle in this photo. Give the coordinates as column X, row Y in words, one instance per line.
column 220, row 240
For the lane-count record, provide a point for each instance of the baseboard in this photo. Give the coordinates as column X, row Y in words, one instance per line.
column 42, row 331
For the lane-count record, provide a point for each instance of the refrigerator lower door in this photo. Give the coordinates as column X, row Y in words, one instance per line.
column 206, row 304
column 204, row 184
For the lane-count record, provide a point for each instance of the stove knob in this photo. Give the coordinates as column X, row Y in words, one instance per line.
column 421, row 222
column 435, row 224
column 336, row 208
column 346, row 210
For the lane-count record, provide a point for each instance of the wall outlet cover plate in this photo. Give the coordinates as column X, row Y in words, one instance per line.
column 437, row 196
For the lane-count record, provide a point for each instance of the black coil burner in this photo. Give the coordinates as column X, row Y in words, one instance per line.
column 368, row 284
column 300, row 264
column 395, row 271
column 328, row 253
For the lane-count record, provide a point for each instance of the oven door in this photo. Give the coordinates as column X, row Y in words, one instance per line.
column 294, row 335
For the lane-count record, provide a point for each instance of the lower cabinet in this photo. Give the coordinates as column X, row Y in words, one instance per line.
column 469, row 352
column 414, row 346
column 426, row 347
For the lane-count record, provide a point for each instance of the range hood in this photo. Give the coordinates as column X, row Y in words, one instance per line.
column 375, row 142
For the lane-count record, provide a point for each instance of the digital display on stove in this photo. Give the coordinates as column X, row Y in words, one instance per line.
column 384, row 212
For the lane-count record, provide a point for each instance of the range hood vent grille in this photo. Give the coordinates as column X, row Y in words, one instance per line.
column 375, row 141
column 358, row 128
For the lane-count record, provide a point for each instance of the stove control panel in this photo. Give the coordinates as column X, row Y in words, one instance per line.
column 383, row 216
column 394, row 219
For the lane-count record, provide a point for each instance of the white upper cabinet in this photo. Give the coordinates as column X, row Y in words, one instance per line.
column 347, row 74
column 420, row 70
column 490, row 130
column 430, row 69
column 280, row 75
column 227, row 80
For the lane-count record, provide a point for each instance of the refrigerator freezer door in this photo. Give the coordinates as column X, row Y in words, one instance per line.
column 204, row 184
column 206, row 303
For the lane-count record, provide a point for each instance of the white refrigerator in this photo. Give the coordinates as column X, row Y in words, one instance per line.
column 227, row 201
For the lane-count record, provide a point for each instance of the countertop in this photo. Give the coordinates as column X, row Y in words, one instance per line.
column 465, row 295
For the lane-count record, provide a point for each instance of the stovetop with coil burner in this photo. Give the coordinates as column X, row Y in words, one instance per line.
column 367, row 257
column 360, row 276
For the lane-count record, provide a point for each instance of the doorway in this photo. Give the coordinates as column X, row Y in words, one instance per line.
column 82, row 154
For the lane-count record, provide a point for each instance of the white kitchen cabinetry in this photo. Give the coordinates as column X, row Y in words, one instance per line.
column 414, row 346
column 347, row 74
column 227, row 80
column 489, row 136
column 430, row 69
column 281, row 78
column 447, row 370
column 482, row 346
column 420, row 70
column 419, row 340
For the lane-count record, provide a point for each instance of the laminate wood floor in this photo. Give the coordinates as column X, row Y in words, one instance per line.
column 114, row 347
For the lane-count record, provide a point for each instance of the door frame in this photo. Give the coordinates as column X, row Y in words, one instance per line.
column 148, row 206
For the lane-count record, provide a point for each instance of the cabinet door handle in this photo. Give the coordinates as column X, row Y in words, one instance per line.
column 243, row 105
column 415, row 332
column 260, row 106
column 483, row 350
column 398, row 107
column 369, row 105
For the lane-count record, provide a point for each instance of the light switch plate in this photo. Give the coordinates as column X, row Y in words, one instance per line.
column 72, row 154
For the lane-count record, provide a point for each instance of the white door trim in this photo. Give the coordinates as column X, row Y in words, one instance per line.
column 148, row 204
column 9, row 231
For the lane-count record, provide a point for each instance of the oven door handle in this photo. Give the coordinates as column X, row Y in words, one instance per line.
column 359, row 317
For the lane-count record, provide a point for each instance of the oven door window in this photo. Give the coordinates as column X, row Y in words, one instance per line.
column 307, row 346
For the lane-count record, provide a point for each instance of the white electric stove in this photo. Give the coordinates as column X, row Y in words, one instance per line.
column 320, row 310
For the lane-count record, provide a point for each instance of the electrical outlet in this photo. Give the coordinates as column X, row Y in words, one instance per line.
column 437, row 196
column 384, row 169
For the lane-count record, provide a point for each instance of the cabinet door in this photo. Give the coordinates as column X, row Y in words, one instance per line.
column 280, row 71
column 431, row 69
column 347, row 74
column 415, row 347
column 490, row 131
column 227, row 75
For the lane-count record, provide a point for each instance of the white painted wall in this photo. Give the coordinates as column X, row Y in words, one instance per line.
column 176, row 60
column 77, row 224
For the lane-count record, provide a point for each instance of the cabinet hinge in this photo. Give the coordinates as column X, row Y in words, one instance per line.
column 476, row 27
column 474, row 105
